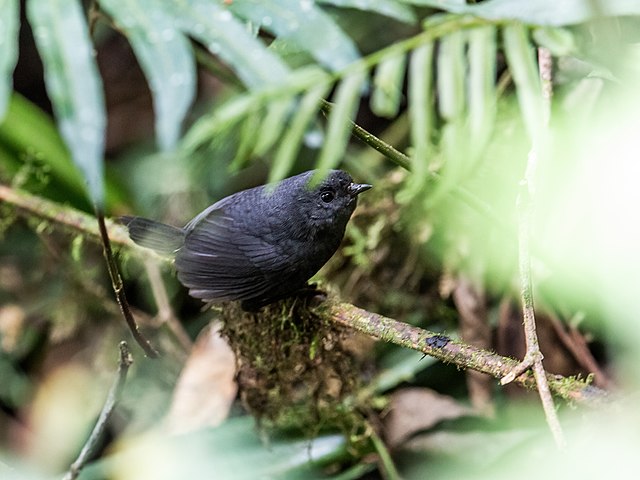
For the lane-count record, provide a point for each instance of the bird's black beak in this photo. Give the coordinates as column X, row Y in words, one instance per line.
column 356, row 189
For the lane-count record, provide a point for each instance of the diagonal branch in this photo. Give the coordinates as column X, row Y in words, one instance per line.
column 118, row 289
column 452, row 351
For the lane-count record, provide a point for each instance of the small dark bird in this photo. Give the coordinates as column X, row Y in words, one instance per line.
column 258, row 245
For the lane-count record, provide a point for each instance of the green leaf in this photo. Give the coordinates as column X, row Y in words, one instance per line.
column 537, row 12
column 73, row 84
column 223, row 35
column 292, row 140
column 387, row 82
column 420, row 94
column 524, row 69
column 248, row 139
column 230, row 113
column 273, row 124
column 304, row 24
column 559, row 41
column 388, row 8
column 231, row 450
column 339, row 123
column 482, row 86
column 240, row 106
column 451, row 76
column 166, row 58
column 8, row 49
column 398, row 366
column 28, row 132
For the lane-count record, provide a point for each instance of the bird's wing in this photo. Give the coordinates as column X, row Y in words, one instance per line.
column 221, row 260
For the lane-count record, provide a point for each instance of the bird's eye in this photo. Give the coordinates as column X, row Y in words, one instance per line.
column 327, row 196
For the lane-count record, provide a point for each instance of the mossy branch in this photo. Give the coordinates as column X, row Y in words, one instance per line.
column 448, row 350
column 433, row 344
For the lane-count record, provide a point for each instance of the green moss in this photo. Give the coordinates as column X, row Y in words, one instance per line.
column 294, row 370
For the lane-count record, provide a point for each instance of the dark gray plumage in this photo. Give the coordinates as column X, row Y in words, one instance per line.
column 257, row 245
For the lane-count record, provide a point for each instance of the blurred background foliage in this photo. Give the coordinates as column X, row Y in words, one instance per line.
column 162, row 107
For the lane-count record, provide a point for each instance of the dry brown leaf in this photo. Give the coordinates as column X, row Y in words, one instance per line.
column 416, row 409
column 510, row 342
column 206, row 387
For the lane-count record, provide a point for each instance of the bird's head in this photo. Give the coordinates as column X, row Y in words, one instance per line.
column 330, row 202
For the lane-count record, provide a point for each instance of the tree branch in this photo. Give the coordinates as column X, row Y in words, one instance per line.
column 452, row 351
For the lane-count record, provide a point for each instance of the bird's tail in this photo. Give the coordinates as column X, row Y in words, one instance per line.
column 162, row 238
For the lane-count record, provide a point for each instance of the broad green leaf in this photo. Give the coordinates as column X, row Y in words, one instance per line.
column 339, row 122
column 8, row 49
column 292, row 139
column 232, row 450
column 73, row 84
column 223, row 35
column 524, row 69
column 388, row 83
column 304, row 24
column 28, row 132
column 388, row 8
column 166, row 58
column 537, row 12
column 398, row 366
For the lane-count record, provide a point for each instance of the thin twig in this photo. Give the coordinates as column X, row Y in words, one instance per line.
column 386, row 465
column 165, row 312
column 113, row 397
column 374, row 142
column 118, row 288
column 574, row 341
column 452, row 351
column 533, row 357
column 94, row 15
